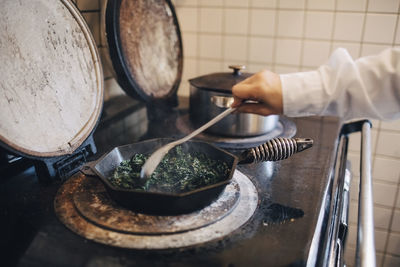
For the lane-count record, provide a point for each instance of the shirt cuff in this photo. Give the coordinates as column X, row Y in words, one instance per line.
column 302, row 94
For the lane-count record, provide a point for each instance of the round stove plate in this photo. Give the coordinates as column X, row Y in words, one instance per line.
column 69, row 214
column 94, row 204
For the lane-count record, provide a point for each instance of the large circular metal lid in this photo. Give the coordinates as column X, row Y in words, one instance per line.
column 51, row 81
column 221, row 81
column 145, row 47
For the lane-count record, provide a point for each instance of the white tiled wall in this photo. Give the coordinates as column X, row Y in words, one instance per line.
column 289, row 36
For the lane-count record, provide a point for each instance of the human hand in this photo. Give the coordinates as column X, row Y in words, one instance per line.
column 264, row 87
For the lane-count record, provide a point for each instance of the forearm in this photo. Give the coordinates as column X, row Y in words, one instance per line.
column 368, row 87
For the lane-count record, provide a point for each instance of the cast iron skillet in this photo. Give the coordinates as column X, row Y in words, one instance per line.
column 179, row 203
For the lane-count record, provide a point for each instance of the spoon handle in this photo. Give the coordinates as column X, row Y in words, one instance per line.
column 152, row 162
column 207, row 125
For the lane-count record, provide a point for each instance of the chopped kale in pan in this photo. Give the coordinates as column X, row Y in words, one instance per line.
column 178, row 172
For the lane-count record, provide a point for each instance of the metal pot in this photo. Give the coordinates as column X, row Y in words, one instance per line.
column 211, row 94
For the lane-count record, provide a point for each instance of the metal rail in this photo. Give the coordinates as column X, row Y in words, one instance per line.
column 365, row 252
column 328, row 244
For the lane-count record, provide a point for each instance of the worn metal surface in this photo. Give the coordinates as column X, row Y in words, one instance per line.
column 151, row 45
column 67, row 212
column 93, row 203
column 51, row 85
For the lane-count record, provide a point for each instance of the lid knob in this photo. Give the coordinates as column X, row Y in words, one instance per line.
column 237, row 69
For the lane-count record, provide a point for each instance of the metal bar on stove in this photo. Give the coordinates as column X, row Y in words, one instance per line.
column 365, row 252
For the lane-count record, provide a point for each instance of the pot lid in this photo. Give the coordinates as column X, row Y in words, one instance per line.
column 222, row 81
column 145, row 47
column 51, row 81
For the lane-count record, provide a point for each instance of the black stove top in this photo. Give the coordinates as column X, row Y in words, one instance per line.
column 279, row 233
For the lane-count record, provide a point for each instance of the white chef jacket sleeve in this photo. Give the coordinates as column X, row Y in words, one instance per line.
column 368, row 87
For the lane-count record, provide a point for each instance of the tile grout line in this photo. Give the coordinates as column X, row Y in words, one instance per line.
column 223, row 36
column 297, row 9
column 303, row 39
column 396, row 26
column 198, row 37
column 275, row 38
column 331, row 39
column 323, row 40
column 363, row 31
column 248, row 35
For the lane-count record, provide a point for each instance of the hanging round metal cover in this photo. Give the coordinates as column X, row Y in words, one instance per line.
column 145, row 47
column 51, row 81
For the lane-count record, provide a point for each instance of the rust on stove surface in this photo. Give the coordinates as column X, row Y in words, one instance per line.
column 93, row 203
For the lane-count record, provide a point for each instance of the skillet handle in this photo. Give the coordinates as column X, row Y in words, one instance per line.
column 275, row 149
